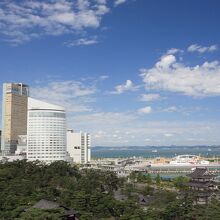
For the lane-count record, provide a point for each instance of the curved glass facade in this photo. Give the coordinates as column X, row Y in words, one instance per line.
column 46, row 135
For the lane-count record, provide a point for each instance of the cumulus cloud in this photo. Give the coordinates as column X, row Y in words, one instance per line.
column 24, row 20
column 82, row 42
column 145, row 110
column 78, row 98
column 128, row 124
column 128, row 86
column 149, row 97
column 73, row 95
column 166, row 61
column 170, row 75
column 201, row 49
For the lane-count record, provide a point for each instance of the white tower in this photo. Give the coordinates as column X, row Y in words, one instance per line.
column 46, row 131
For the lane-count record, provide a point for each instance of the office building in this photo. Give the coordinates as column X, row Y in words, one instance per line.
column 14, row 115
column 79, row 146
column 46, row 131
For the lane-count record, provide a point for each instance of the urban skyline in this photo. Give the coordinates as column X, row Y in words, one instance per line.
column 36, row 130
column 110, row 109
column 129, row 74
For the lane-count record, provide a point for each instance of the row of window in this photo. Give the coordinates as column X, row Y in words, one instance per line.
column 32, row 157
column 60, row 148
column 46, row 131
column 46, row 147
column 46, row 135
column 47, row 114
column 45, row 123
column 45, row 143
column 47, row 153
column 51, row 120
column 50, row 146
column 34, row 119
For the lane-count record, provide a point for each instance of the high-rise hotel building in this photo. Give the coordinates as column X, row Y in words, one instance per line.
column 14, row 115
column 46, row 132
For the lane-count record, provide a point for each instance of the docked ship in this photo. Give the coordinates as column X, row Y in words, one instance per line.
column 188, row 160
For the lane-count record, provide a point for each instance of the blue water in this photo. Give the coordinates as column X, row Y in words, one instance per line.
column 147, row 153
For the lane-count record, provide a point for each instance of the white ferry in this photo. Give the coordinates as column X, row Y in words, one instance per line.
column 188, row 160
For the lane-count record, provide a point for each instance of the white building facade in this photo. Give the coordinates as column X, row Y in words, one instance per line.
column 22, row 145
column 46, row 132
column 79, row 146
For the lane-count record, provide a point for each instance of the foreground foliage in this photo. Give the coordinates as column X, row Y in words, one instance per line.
column 90, row 193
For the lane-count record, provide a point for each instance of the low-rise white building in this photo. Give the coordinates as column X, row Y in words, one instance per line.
column 79, row 146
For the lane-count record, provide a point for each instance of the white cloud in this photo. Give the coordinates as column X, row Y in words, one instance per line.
column 99, row 134
column 102, row 126
column 145, row 110
column 123, row 126
column 82, row 42
column 166, row 61
column 168, row 135
column 184, row 110
column 119, row 2
column 73, row 95
column 128, row 86
column 201, row 49
column 103, row 77
column 171, row 109
column 169, row 75
column 149, row 97
column 24, row 20
column 78, row 98
column 173, row 51
column 147, row 139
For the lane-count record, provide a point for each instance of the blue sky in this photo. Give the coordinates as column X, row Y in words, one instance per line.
column 130, row 72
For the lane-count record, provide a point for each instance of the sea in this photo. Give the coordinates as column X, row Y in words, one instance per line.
column 153, row 152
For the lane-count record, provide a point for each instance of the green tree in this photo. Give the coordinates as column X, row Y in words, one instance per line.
column 148, row 179
column 180, row 182
column 38, row 214
column 158, row 179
